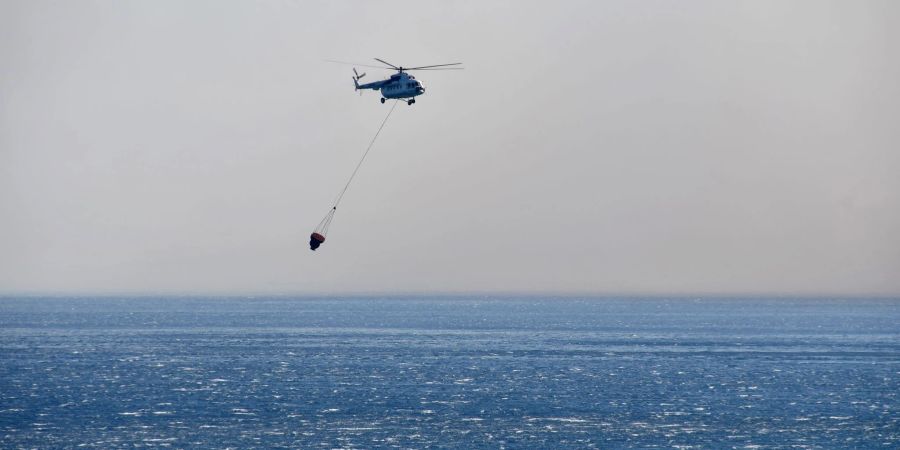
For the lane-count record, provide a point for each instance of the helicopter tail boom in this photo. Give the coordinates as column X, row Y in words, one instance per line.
column 376, row 85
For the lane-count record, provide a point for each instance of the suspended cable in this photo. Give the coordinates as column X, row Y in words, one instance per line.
column 318, row 236
column 358, row 165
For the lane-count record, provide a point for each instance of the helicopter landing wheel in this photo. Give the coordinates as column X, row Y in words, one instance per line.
column 382, row 99
column 410, row 102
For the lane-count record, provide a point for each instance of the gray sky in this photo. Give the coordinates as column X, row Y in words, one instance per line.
column 645, row 147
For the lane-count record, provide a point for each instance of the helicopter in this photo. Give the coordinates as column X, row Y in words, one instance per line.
column 401, row 85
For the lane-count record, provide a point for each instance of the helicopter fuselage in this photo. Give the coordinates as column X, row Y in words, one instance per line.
column 399, row 85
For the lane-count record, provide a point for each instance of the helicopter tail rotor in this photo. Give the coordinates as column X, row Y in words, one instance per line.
column 356, row 77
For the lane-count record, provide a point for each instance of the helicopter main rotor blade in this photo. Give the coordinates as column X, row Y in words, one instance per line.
column 357, row 64
column 439, row 68
column 385, row 62
column 428, row 67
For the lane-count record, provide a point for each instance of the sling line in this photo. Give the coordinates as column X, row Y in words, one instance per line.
column 322, row 228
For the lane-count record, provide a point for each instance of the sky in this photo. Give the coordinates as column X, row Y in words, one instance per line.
column 651, row 147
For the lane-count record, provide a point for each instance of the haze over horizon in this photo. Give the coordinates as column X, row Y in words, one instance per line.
column 697, row 147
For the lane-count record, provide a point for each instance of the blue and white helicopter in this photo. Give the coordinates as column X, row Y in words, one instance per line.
column 401, row 85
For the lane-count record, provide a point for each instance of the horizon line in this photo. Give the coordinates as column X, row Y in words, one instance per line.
column 437, row 293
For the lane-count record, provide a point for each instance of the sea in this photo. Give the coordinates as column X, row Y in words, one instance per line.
column 455, row 372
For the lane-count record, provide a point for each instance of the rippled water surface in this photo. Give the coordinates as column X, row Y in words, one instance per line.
column 469, row 372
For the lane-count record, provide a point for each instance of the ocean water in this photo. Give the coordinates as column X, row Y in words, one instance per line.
column 447, row 372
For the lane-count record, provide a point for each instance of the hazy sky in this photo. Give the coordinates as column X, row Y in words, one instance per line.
column 626, row 146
